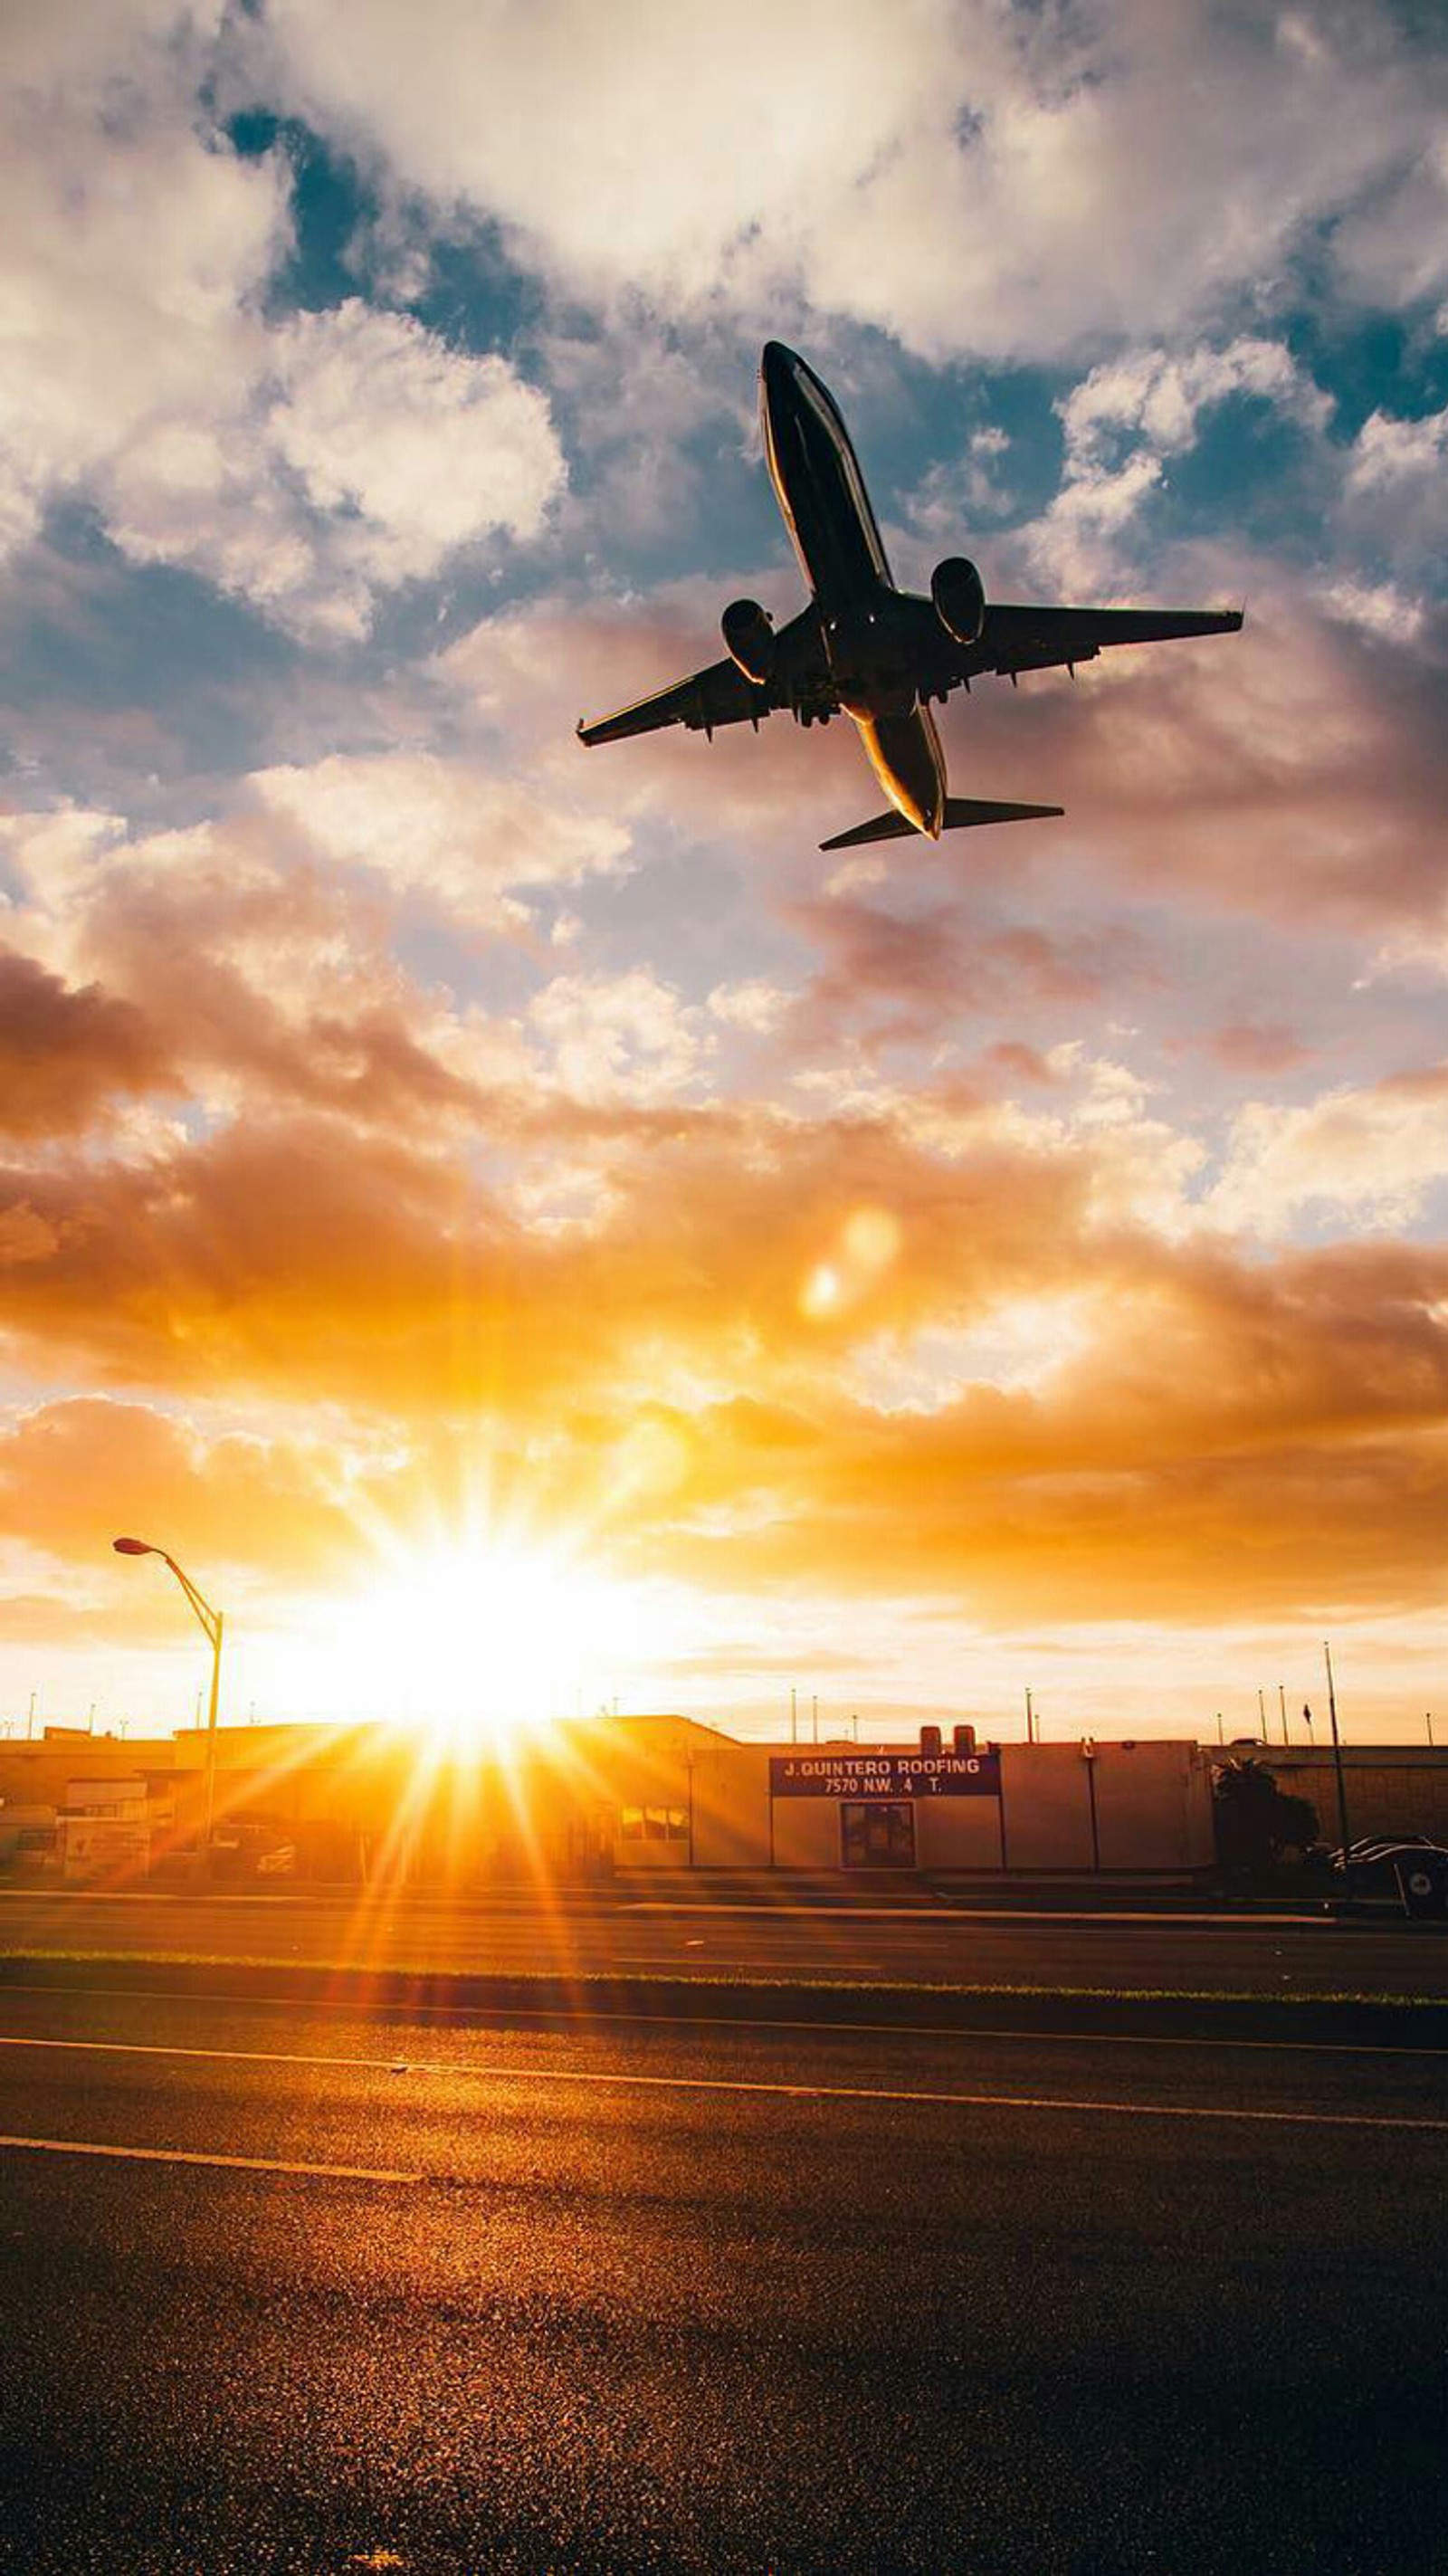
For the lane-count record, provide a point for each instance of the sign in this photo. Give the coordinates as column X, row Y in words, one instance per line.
column 1423, row 1884
column 885, row 1775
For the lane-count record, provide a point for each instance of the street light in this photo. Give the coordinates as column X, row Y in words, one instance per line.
column 211, row 1620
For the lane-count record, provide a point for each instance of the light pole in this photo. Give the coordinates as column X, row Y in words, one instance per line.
column 1337, row 1761
column 212, row 1622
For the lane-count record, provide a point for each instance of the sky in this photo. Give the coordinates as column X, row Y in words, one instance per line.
column 522, row 1223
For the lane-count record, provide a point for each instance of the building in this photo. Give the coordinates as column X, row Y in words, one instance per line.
column 649, row 1795
column 1390, row 1788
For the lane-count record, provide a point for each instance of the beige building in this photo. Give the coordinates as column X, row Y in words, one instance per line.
column 631, row 1795
column 1390, row 1788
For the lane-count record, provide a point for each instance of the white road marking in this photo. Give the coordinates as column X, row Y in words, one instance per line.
column 481, row 2017
column 623, row 1907
column 829, row 1958
column 229, row 2164
column 494, row 2074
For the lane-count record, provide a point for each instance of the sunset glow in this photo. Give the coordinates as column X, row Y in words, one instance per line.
column 901, row 1273
column 476, row 1642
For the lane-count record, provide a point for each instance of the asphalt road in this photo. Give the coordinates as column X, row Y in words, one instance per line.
column 355, row 2294
column 879, row 1945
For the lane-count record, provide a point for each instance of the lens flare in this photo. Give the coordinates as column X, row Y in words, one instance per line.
column 474, row 1641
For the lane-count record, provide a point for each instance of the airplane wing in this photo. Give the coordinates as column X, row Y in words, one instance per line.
column 1035, row 639
column 719, row 696
column 722, row 695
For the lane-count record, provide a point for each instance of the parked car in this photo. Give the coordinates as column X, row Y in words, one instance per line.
column 1370, row 1866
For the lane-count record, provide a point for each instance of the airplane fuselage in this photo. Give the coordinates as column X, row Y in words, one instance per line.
column 865, row 625
column 862, row 648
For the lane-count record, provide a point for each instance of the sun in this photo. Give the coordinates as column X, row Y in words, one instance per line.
column 474, row 1640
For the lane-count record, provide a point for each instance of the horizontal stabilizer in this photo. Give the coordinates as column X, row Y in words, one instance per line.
column 961, row 813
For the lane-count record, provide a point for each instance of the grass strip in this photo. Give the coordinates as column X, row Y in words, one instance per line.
column 1343, row 2014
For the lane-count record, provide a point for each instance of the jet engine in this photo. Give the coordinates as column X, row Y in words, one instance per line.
column 749, row 639
column 957, row 595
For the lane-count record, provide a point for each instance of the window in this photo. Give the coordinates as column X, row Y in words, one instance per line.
column 654, row 1825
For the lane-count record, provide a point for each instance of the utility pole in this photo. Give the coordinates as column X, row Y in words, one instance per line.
column 1428, row 1722
column 1337, row 1757
column 1221, row 1734
column 30, row 1719
column 1030, row 1721
column 1282, row 1702
column 1261, row 1716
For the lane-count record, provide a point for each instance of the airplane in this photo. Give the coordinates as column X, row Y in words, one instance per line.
column 862, row 647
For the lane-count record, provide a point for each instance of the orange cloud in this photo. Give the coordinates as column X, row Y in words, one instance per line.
column 67, row 1054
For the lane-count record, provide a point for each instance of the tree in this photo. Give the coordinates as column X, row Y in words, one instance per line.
column 1255, row 1821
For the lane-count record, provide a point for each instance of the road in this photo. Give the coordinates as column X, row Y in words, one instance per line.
column 880, row 1945
column 291, row 2289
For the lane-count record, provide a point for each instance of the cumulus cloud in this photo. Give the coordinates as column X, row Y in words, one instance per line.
column 361, row 453
column 449, row 831
column 1129, row 415
column 967, row 176
column 1295, row 772
column 1396, row 486
column 71, row 1471
column 755, row 1005
column 620, row 1037
column 1372, row 1154
column 145, row 373
column 214, row 970
column 66, row 1054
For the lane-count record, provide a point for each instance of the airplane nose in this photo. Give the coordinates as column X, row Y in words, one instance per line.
column 777, row 365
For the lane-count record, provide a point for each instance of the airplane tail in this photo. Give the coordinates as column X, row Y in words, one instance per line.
column 961, row 813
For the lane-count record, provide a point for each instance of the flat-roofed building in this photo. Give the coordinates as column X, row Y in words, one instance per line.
column 644, row 1796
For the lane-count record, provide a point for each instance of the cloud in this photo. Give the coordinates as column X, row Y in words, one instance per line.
column 755, row 1005
column 1295, row 773
column 1130, row 414
column 450, row 831
column 75, row 1472
column 1247, row 1046
column 137, row 245
column 1395, row 485
column 67, row 1054
column 1373, row 1154
column 947, row 1352
column 361, row 453
column 1220, row 1441
column 215, row 973
column 621, row 1037
column 303, row 463
column 889, row 977
column 823, row 160
column 1159, row 396
column 1377, row 608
